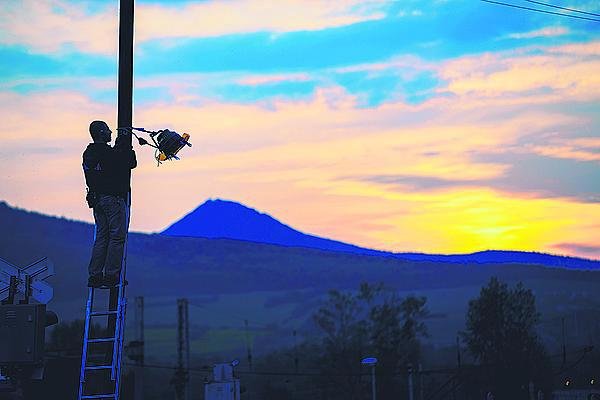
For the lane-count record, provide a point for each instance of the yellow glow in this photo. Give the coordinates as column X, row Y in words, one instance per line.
column 467, row 220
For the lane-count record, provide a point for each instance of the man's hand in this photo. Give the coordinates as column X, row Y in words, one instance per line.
column 123, row 141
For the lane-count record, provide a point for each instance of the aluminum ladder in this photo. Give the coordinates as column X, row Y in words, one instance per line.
column 115, row 337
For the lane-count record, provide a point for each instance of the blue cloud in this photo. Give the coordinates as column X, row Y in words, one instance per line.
column 442, row 32
column 18, row 62
column 247, row 93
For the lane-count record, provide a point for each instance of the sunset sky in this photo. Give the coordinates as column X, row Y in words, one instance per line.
column 439, row 126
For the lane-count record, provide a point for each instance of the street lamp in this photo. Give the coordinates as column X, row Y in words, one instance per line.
column 371, row 362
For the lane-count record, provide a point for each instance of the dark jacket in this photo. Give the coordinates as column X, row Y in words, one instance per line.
column 108, row 169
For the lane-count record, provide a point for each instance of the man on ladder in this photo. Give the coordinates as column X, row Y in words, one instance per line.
column 112, row 167
column 107, row 174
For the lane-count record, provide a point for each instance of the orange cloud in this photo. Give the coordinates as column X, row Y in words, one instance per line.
column 560, row 70
column 303, row 160
column 569, row 150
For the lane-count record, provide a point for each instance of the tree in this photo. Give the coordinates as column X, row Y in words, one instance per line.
column 374, row 321
column 342, row 320
column 500, row 333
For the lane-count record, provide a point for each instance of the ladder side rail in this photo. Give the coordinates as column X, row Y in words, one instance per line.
column 121, row 309
column 86, row 334
column 118, row 333
column 117, row 343
column 120, row 353
column 121, row 300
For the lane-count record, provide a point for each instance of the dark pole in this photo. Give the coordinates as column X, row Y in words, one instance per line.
column 125, row 110
column 125, row 106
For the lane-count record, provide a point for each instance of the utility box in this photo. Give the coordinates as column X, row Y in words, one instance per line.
column 22, row 328
column 223, row 386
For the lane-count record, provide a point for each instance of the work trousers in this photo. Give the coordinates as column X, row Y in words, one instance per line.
column 110, row 214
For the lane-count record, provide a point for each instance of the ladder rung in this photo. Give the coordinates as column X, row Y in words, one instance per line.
column 96, row 367
column 93, row 314
column 100, row 340
column 98, row 396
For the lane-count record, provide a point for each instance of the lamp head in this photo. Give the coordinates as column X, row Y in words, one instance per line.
column 370, row 361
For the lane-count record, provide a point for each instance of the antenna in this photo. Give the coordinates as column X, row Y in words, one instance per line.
column 28, row 281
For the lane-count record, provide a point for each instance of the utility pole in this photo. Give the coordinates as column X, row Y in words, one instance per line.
column 296, row 360
column 421, row 386
column 124, row 113
column 410, row 382
column 458, row 361
column 564, row 345
column 248, row 347
column 181, row 378
column 139, row 352
column 125, row 101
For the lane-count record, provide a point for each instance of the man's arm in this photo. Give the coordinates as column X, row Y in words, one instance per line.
column 124, row 147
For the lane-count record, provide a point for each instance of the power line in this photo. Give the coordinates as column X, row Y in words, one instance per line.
column 541, row 11
column 563, row 8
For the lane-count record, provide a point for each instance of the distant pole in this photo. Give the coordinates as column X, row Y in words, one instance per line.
column 458, row 352
column 371, row 362
column 373, row 383
column 295, row 352
column 181, row 378
column 564, row 345
column 421, row 387
column 139, row 362
column 248, row 347
column 410, row 382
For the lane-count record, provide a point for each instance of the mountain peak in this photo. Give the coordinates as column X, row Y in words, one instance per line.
column 218, row 218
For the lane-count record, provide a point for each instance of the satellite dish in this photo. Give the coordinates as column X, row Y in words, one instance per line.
column 29, row 280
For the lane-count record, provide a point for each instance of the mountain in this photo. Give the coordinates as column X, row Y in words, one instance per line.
column 229, row 280
column 228, row 219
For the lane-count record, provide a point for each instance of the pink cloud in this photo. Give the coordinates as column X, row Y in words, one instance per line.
column 561, row 70
column 256, row 80
column 47, row 30
column 544, row 32
column 581, row 149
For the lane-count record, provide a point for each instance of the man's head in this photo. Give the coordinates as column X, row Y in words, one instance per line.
column 100, row 132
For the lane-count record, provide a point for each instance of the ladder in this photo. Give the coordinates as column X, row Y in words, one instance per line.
column 116, row 321
column 115, row 337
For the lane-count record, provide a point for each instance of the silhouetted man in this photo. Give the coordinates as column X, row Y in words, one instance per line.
column 107, row 174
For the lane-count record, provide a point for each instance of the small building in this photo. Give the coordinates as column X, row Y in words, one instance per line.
column 223, row 385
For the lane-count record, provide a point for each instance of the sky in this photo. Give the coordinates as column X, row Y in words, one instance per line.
column 438, row 126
